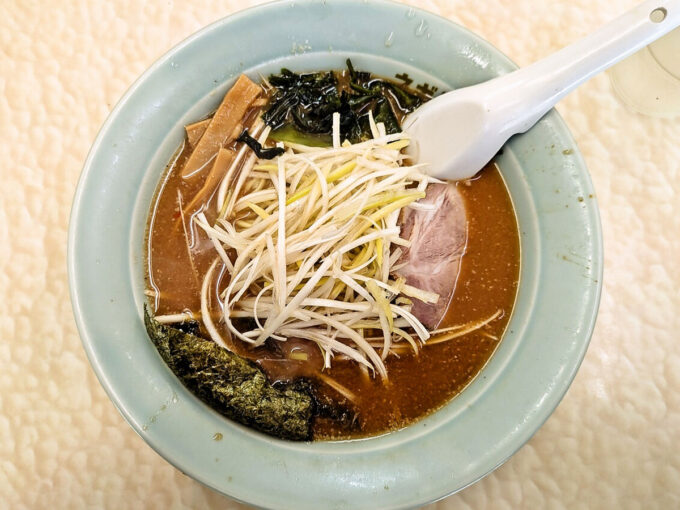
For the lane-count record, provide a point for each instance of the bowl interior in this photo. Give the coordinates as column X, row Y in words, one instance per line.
column 479, row 429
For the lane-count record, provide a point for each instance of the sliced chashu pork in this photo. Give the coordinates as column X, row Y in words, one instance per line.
column 438, row 238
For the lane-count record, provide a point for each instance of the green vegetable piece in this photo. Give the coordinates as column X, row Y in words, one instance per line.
column 232, row 385
column 288, row 133
column 385, row 115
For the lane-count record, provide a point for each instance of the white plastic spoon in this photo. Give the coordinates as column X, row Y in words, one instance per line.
column 460, row 131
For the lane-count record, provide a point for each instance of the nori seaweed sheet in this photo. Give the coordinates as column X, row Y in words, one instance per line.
column 232, row 385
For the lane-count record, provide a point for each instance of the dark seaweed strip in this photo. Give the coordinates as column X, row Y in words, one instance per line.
column 308, row 101
column 256, row 146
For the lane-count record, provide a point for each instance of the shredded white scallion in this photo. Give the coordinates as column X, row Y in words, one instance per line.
column 314, row 241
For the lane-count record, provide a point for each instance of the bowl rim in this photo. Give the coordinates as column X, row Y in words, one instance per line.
column 557, row 393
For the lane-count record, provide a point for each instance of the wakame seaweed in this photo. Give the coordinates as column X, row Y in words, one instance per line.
column 234, row 386
column 256, row 146
column 308, row 101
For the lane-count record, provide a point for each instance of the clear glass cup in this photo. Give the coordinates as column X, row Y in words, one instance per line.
column 648, row 82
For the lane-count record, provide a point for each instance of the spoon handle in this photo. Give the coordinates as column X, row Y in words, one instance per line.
column 524, row 96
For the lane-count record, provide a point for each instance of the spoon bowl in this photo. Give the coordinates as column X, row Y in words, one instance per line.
column 453, row 150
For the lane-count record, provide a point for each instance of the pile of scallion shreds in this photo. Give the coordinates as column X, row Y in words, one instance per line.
column 316, row 240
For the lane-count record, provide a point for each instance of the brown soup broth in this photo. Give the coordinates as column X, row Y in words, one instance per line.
column 418, row 384
column 487, row 282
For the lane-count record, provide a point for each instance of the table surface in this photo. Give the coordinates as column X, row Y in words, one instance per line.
column 614, row 441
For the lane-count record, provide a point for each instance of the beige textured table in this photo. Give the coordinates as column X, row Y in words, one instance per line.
column 614, row 442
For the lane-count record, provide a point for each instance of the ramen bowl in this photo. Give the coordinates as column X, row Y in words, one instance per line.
column 553, row 318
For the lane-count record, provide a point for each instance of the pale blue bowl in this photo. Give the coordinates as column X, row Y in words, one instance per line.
column 499, row 411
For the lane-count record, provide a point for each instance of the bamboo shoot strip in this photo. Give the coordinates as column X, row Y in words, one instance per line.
column 212, row 181
column 229, row 114
column 195, row 131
